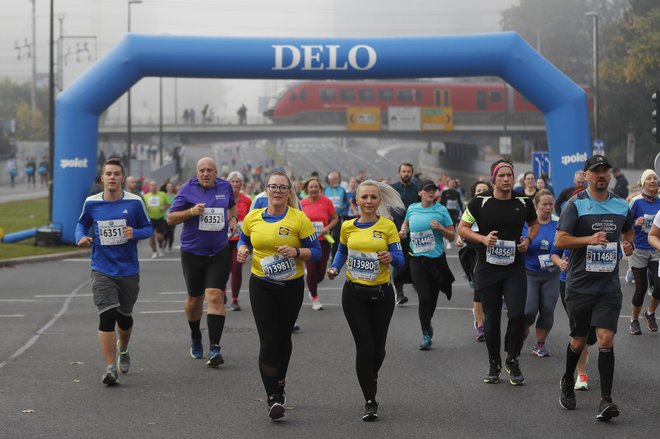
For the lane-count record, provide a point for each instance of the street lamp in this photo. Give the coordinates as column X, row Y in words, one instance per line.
column 594, row 15
column 128, row 121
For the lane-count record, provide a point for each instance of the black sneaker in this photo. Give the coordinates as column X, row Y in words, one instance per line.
column 493, row 375
column 607, row 410
column 635, row 329
column 275, row 407
column 651, row 324
column 567, row 395
column 370, row 411
column 401, row 299
column 516, row 377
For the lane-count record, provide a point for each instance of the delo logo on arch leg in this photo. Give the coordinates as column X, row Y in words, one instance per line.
column 574, row 158
column 73, row 163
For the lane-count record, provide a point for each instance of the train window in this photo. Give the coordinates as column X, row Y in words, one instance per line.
column 346, row 95
column 367, row 95
column 407, row 95
column 293, row 97
column 303, row 94
column 441, row 98
column 385, row 95
column 495, row 96
column 328, row 94
column 481, row 100
column 418, row 95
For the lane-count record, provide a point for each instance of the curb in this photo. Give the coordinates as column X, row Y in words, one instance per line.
column 42, row 258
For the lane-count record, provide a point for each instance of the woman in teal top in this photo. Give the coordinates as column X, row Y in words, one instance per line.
column 428, row 223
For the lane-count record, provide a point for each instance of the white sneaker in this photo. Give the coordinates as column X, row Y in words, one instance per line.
column 582, row 382
column 154, row 255
column 160, row 253
column 316, row 305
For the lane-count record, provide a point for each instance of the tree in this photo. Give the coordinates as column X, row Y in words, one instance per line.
column 13, row 98
column 29, row 125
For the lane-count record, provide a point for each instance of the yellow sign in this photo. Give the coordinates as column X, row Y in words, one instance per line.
column 437, row 119
column 363, row 119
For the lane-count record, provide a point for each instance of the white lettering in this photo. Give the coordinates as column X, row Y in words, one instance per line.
column 574, row 158
column 352, row 57
column 312, row 53
column 73, row 163
column 332, row 59
column 279, row 57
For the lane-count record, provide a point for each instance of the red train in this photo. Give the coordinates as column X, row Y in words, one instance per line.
column 326, row 101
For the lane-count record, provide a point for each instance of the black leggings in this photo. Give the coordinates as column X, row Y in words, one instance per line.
column 428, row 289
column 513, row 289
column 369, row 321
column 275, row 307
column 642, row 283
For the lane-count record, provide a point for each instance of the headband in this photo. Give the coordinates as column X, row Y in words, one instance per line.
column 497, row 169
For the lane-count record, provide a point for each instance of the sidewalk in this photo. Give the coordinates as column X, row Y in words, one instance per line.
column 20, row 192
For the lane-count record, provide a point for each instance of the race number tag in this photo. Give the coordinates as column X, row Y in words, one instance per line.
column 545, row 262
column 111, row 232
column 648, row 222
column 154, row 201
column 363, row 266
column 336, row 201
column 502, row 253
column 278, row 267
column 452, row 205
column 422, row 241
column 212, row 220
column 601, row 258
column 318, row 227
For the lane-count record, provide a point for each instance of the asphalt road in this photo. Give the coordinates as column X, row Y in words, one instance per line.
column 50, row 368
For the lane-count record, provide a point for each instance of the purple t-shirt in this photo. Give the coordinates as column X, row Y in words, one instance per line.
column 206, row 234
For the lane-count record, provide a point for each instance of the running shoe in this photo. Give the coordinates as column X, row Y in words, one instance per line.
column 235, row 306
column 635, row 329
column 196, row 349
column 154, row 255
column 567, row 395
column 275, row 407
column 316, row 305
column 540, row 350
column 296, row 327
column 215, row 357
column 607, row 410
column 425, row 345
column 651, row 324
column 401, row 298
column 370, row 411
column 123, row 359
column 629, row 277
column 493, row 375
column 512, row 368
column 480, row 334
column 582, row 382
column 110, row 376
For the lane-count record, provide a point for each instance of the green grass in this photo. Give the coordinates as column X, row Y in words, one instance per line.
column 22, row 215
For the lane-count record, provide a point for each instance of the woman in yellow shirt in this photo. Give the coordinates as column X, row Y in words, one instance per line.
column 282, row 238
column 370, row 243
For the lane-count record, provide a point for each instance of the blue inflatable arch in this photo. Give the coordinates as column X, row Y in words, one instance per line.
column 505, row 55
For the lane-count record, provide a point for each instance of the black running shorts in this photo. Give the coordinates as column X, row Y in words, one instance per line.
column 202, row 272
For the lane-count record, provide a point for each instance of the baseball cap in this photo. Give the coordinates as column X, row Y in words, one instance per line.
column 427, row 184
column 596, row 160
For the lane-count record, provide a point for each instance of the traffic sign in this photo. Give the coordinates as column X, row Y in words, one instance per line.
column 363, row 119
column 541, row 163
column 599, row 147
column 437, row 119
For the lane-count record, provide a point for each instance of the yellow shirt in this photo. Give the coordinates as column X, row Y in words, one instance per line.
column 265, row 237
column 362, row 264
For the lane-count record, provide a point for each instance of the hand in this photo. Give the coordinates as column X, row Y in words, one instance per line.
column 627, row 248
column 639, row 221
column 287, row 251
column 85, row 241
column 524, row 244
column 332, row 273
column 564, row 265
column 459, row 242
column 598, row 238
column 128, row 232
column 242, row 254
column 403, row 233
column 490, row 239
column 436, row 225
column 198, row 209
column 232, row 226
column 384, row 257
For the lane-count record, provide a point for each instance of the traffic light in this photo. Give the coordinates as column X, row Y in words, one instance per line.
column 656, row 115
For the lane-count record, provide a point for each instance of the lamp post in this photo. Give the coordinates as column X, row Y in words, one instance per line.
column 594, row 15
column 128, row 117
column 33, row 86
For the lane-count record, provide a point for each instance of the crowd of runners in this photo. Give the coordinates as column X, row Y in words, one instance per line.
column 519, row 247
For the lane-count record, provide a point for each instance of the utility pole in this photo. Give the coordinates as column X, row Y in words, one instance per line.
column 33, row 88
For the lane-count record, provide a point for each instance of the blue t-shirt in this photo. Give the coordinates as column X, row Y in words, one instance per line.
column 112, row 254
column 205, row 235
column 640, row 207
column 537, row 257
column 425, row 241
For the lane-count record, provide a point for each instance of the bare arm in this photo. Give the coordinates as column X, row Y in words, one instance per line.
column 654, row 237
column 564, row 240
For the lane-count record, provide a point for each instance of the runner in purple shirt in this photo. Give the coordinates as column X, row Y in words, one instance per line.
column 206, row 207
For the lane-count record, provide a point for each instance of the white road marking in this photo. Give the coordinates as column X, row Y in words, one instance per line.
column 171, row 311
column 17, row 300
column 56, row 296
column 11, row 315
column 35, row 337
